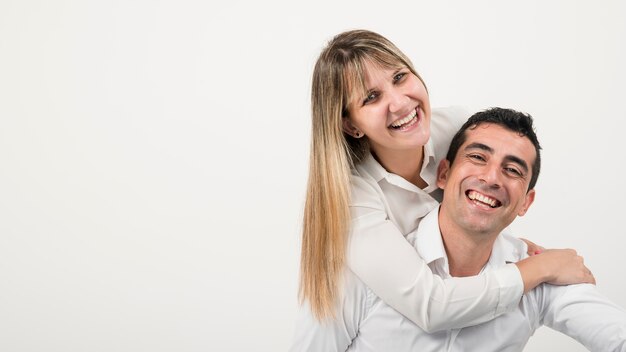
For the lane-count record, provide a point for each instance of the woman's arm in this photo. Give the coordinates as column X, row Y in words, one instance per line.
column 385, row 261
column 333, row 334
column 554, row 266
column 533, row 248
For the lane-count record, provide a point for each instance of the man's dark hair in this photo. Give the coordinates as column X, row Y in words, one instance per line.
column 510, row 119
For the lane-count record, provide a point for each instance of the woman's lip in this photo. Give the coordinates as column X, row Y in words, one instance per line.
column 411, row 123
column 417, row 113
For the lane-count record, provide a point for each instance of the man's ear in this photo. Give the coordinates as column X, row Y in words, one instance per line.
column 442, row 173
column 530, row 198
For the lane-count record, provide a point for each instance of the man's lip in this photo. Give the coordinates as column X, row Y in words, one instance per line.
column 484, row 198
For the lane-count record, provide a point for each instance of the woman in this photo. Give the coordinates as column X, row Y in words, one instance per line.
column 375, row 149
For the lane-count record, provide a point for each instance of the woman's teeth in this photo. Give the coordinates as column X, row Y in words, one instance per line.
column 406, row 122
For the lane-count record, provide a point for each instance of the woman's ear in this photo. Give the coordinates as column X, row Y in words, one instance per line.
column 442, row 173
column 350, row 129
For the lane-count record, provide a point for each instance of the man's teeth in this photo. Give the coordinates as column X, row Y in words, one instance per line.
column 483, row 199
column 407, row 119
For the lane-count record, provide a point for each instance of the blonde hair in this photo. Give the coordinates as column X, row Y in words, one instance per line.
column 338, row 79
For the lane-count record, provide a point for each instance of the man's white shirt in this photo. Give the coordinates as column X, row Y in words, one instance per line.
column 385, row 208
column 365, row 323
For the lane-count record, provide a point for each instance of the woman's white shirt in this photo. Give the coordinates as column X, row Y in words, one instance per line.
column 385, row 208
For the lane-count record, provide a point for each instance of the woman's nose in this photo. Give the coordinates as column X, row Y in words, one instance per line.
column 397, row 101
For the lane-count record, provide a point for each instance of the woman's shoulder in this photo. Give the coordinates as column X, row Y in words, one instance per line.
column 445, row 122
column 363, row 187
column 365, row 190
column 450, row 117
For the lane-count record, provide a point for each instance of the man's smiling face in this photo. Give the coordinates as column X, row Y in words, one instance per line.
column 486, row 186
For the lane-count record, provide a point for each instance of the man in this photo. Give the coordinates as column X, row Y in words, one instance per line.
column 488, row 180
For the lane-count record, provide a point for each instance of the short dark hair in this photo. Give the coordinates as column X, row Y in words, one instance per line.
column 510, row 119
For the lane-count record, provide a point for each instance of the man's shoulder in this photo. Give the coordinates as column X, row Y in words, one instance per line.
column 511, row 246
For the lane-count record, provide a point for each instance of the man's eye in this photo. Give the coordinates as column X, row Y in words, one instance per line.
column 476, row 157
column 398, row 77
column 513, row 171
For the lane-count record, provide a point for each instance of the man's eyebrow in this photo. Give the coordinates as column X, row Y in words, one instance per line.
column 519, row 161
column 510, row 158
column 480, row 146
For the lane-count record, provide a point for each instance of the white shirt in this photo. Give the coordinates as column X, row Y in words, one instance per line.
column 385, row 208
column 365, row 323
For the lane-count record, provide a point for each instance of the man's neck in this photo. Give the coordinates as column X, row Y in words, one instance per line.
column 467, row 253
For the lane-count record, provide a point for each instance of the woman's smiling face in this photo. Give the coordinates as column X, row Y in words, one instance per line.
column 394, row 112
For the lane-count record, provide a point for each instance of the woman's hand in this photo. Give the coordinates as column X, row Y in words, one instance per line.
column 567, row 267
column 554, row 266
column 533, row 248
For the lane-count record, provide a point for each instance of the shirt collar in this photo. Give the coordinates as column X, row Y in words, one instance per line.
column 429, row 167
column 428, row 241
column 429, row 153
column 429, row 245
column 428, row 172
column 373, row 167
column 504, row 252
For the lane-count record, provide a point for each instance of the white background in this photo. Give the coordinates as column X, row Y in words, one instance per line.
column 153, row 154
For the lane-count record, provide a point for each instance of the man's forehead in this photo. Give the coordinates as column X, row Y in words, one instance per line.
column 492, row 131
column 500, row 139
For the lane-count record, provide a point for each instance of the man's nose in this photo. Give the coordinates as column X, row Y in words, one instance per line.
column 491, row 175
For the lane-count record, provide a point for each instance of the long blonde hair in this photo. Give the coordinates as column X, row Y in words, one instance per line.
column 338, row 78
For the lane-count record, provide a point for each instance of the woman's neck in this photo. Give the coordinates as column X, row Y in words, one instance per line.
column 407, row 164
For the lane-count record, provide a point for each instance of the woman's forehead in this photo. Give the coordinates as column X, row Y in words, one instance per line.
column 360, row 76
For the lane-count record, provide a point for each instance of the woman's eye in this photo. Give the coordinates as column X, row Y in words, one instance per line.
column 370, row 97
column 398, row 77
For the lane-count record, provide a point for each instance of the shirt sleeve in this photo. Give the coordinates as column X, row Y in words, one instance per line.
column 385, row 261
column 583, row 313
column 333, row 335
